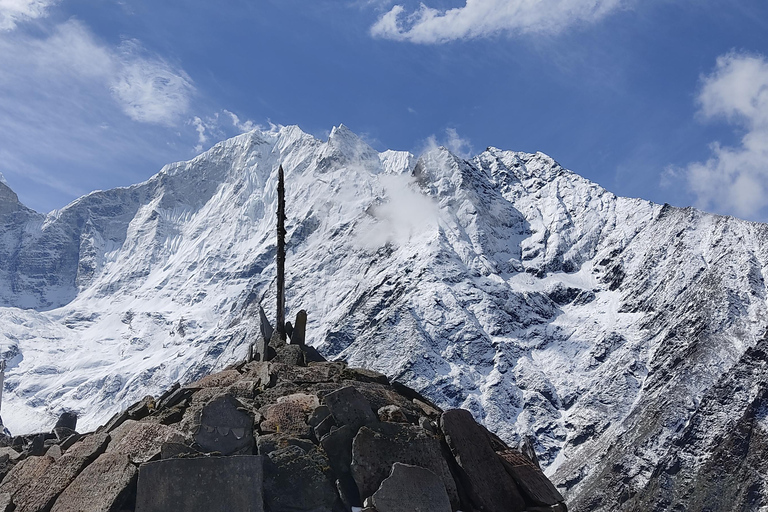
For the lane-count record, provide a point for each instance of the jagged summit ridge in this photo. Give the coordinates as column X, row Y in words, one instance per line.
column 504, row 284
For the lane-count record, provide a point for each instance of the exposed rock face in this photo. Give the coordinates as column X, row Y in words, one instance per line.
column 262, row 452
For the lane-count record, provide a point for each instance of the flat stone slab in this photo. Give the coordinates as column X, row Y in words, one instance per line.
column 144, row 441
column 100, row 487
column 530, row 479
column 224, row 428
column 411, row 489
column 25, row 473
column 349, row 407
column 204, row 484
column 489, row 485
column 296, row 481
column 377, row 447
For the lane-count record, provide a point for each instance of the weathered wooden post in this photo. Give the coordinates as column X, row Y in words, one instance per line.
column 280, row 327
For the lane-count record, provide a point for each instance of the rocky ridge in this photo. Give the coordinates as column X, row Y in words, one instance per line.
column 286, row 435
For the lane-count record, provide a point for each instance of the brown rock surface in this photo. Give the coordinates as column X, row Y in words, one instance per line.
column 101, row 487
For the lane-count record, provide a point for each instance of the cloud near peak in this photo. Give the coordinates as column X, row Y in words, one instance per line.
column 483, row 18
column 734, row 180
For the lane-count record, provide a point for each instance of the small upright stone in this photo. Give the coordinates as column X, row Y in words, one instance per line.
column 300, row 329
column 411, row 489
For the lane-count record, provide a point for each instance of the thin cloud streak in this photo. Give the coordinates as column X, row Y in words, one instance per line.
column 484, row 18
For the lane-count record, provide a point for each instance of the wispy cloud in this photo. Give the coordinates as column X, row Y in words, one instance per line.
column 452, row 141
column 13, row 12
column 734, row 180
column 149, row 89
column 482, row 18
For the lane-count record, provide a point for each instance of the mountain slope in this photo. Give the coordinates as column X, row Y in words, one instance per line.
column 625, row 336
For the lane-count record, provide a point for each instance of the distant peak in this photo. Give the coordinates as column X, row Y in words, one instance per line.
column 2, row 180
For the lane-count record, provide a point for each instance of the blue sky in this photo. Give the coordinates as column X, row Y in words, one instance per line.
column 660, row 99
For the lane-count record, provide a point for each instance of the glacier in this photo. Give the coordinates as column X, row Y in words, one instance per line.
column 627, row 338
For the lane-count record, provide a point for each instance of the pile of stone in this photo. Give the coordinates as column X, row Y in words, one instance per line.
column 284, row 435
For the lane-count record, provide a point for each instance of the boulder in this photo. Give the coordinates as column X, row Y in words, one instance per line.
column 67, row 420
column 296, row 481
column 377, row 447
column 290, row 354
column 338, row 447
column 144, row 441
column 203, row 484
column 288, row 418
column 25, row 473
column 224, row 428
column 483, row 475
column 411, row 489
column 101, row 487
column 392, row 413
column 43, row 491
column 349, row 407
column 269, row 443
column 529, row 478
column 217, row 380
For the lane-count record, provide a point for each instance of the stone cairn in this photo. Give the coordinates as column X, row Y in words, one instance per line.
column 287, row 435
column 282, row 431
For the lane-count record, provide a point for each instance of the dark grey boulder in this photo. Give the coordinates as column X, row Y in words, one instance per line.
column 529, row 479
column 63, row 433
column 298, row 481
column 290, row 354
column 67, row 420
column 338, row 447
column 101, row 487
column 411, row 489
column 377, row 447
column 483, row 475
column 349, row 407
column 224, row 428
column 203, row 484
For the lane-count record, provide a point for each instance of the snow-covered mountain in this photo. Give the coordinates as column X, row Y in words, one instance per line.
column 627, row 338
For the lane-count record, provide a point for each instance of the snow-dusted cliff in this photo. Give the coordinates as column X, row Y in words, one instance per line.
column 626, row 337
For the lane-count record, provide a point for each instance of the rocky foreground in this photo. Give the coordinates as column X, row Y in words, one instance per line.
column 284, row 435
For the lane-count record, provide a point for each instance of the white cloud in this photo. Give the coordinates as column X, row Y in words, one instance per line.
column 452, row 141
column 13, row 12
column 242, row 126
column 482, row 18
column 734, row 180
column 200, row 128
column 149, row 89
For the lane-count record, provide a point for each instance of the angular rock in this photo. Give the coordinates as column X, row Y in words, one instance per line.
column 287, row 417
column 317, row 416
column 338, row 447
column 37, row 446
column 203, row 484
column 90, row 446
column 68, row 442
column 411, row 489
column 244, row 388
column 269, row 443
column 324, row 427
column 100, row 487
column 265, row 327
column 142, row 408
column 63, row 433
column 290, row 354
column 144, row 441
column 178, row 396
column 54, row 451
column 529, row 479
column 25, row 473
column 67, row 420
column 377, row 447
column 264, row 373
column 172, row 450
column 304, row 475
column 217, row 380
column 298, row 337
column 349, row 407
column 9, row 454
column 489, row 486
column 6, row 505
column 392, row 413
column 224, row 428
column 364, row 375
